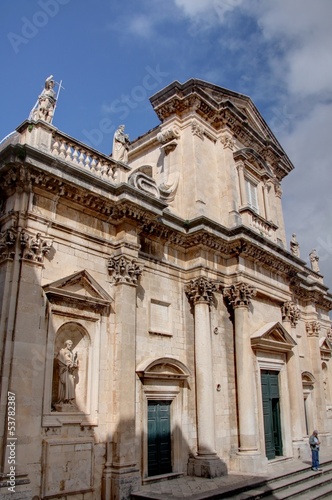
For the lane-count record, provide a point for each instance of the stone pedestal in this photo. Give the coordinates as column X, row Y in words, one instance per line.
column 208, row 467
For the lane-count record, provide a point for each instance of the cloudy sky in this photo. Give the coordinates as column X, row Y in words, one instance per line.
column 113, row 55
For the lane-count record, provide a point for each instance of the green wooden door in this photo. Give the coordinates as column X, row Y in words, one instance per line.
column 271, row 413
column 159, row 438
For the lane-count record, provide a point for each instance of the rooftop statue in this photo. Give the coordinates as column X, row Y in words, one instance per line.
column 120, row 145
column 45, row 106
column 294, row 246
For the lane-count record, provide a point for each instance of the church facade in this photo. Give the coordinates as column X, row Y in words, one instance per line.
column 154, row 320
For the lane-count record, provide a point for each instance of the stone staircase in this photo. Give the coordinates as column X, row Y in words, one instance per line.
column 303, row 484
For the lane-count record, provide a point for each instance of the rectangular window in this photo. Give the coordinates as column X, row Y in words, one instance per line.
column 252, row 199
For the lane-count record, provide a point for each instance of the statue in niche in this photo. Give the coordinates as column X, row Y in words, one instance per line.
column 120, row 145
column 67, row 365
column 46, row 102
column 314, row 259
column 294, row 246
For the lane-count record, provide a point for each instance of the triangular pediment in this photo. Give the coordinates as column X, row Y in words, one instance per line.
column 272, row 337
column 81, row 287
column 325, row 348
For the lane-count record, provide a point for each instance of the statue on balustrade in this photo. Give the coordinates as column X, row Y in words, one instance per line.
column 46, row 102
column 120, row 145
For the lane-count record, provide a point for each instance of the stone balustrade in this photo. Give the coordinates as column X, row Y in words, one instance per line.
column 82, row 157
column 45, row 137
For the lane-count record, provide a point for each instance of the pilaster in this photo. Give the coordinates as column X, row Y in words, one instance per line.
column 313, row 329
column 200, row 293
column 290, row 316
column 249, row 458
column 122, row 474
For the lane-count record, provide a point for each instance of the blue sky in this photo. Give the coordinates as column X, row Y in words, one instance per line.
column 113, row 55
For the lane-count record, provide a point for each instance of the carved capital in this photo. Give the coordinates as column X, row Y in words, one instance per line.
column 239, row 294
column 34, row 248
column 7, row 244
column 124, row 270
column 312, row 328
column 201, row 290
column 197, row 129
column 290, row 312
column 228, row 142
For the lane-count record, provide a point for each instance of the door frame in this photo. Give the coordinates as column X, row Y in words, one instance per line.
column 164, row 379
column 274, row 361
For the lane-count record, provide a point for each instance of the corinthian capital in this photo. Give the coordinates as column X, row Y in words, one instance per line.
column 239, row 294
column 124, row 270
column 290, row 312
column 201, row 290
column 312, row 328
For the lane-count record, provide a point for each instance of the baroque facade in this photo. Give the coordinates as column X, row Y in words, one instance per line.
column 153, row 322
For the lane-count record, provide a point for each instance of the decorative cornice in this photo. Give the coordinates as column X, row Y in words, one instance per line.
column 239, row 294
column 124, row 270
column 290, row 312
column 201, row 290
column 312, row 328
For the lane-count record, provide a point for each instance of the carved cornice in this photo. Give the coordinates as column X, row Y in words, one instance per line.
column 201, row 290
column 312, row 328
column 239, row 294
column 265, row 258
column 290, row 312
column 124, row 270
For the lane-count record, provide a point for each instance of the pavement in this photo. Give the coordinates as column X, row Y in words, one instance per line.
column 198, row 488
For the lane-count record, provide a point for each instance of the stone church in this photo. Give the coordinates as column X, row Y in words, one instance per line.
column 154, row 320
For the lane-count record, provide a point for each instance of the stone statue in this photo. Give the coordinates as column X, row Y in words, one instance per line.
column 120, row 145
column 68, row 364
column 314, row 261
column 294, row 246
column 46, row 102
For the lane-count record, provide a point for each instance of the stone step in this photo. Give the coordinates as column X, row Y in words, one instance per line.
column 305, row 484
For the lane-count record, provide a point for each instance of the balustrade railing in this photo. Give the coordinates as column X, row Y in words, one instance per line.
column 83, row 157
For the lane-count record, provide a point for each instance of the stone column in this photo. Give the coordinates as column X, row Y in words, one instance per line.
column 121, row 474
column 290, row 317
column 313, row 329
column 239, row 296
column 207, row 463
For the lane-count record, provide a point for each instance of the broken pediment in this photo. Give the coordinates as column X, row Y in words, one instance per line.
column 222, row 109
column 80, row 287
column 272, row 337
